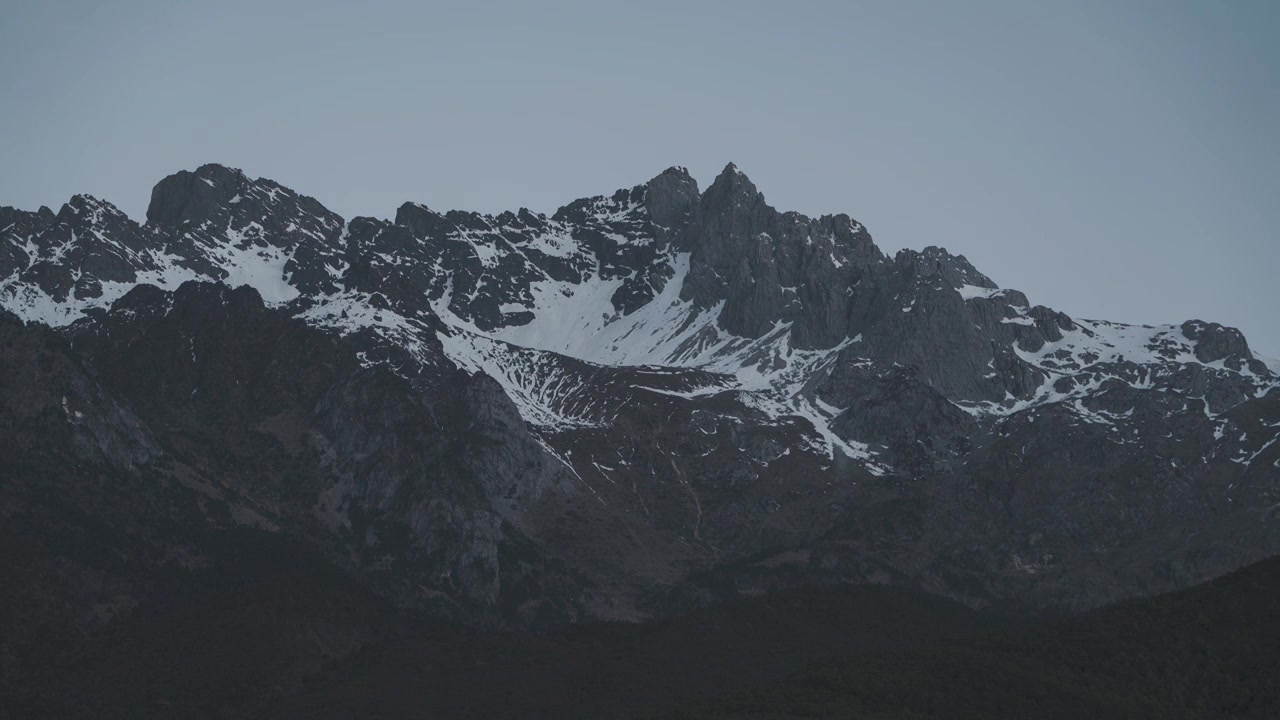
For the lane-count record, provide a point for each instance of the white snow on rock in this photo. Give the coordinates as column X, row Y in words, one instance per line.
column 969, row 292
column 1092, row 351
column 577, row 321
column 243, row 259
column 350, row 312
column 261, row 267
column 32, row 304
column 1098, row 341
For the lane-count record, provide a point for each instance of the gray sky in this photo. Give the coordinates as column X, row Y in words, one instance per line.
column 1112, row 159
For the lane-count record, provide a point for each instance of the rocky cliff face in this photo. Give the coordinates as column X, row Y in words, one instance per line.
column 643, row 400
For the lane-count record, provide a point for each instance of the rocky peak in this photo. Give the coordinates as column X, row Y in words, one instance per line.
column 421, row 220
column 218, row 199
column 954, row 270
column 18, row 225
column 671, row 197
column 731, row 217
column 191, row 197
column 85, row 205
column 730, row 191
column 1215, row 342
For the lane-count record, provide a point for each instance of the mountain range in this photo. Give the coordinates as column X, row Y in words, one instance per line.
column 647, row 403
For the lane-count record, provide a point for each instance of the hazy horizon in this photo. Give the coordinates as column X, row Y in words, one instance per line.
column 1112, row 160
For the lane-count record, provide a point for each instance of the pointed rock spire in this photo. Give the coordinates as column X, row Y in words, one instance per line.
column 732, row 181
column 671, row 197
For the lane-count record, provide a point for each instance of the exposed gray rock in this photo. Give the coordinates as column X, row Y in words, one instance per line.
column 1215, row 342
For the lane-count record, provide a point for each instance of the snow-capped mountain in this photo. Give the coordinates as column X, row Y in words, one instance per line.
column 665, row 385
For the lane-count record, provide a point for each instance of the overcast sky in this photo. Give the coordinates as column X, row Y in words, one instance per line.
column 1112, row 159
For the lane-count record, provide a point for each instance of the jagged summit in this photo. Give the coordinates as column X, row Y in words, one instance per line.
column 670, row 197
column 187, row 196
column 731, row 186
column 657, row 274
column 678, row 171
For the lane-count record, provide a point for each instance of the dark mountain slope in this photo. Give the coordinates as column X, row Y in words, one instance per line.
column 1212, row 651
column 268, row 628
column 652, row 402
column 654, row 385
